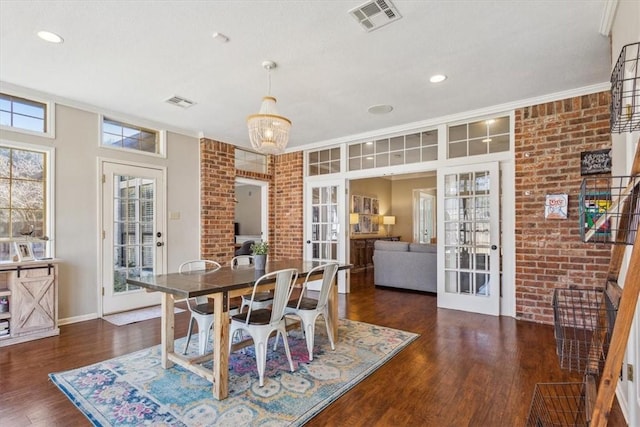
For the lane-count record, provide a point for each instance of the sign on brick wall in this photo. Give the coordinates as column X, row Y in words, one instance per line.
column 594, row 162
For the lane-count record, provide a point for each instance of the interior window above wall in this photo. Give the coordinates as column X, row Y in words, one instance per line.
column 126, row 136
column 250, row 161
column 23, row 114
column 398, row 150
column 480, row 137
column 323, row 162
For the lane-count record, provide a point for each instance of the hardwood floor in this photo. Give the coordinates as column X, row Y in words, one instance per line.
column 464, row 370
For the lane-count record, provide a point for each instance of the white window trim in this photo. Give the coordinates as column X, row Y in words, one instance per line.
column 50, row 187
column 162, row 138
column 49, row 117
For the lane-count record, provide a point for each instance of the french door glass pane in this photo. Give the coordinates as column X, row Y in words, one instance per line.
column 133, row 223
column 324, row 222
column 467, row 233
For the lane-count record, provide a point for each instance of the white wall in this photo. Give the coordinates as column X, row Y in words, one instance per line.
column 76, row 193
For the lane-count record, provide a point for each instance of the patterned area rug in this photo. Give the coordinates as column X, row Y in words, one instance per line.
column 134, row 389
column 133, row 316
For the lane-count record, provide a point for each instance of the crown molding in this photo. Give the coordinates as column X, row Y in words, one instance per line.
column 432, row 123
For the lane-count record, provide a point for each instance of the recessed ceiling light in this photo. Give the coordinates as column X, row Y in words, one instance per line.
column 380, row 109
column 50, row 37
column 437, row 78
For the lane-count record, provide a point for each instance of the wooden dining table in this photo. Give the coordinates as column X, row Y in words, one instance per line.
column 220, row 285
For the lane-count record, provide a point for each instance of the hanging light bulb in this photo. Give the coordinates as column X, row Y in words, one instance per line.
column 268, row 131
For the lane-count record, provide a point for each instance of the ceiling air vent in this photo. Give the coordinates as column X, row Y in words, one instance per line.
column 375, row 14
column 180, row 101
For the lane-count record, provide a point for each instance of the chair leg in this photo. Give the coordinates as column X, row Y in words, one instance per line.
column 329, row 332
column 204, row 329
column 286, row 346
column 186, row 346
column 309, row 333
column 261, row 359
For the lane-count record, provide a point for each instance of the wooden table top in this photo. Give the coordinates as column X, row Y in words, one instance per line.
column 198, row 283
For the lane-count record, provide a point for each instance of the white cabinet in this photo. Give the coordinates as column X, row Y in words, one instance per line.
column 31, row 288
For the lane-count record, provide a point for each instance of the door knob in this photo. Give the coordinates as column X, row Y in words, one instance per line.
column 160, row 244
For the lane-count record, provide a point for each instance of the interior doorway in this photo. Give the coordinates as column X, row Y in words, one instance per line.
column 424, row 215
column 252, row 210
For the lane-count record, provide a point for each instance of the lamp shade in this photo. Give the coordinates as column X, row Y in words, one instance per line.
column 354, row 218
column 268, row 131
column 389, row 220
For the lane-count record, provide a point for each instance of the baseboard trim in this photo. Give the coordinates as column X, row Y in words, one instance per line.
column 76, row 319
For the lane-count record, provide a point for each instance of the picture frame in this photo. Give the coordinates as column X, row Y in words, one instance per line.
column 556, row 206
column 23, row 251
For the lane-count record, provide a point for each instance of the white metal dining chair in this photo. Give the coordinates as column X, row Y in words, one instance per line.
column 260, row 299
column 308, row 309
column 201, row 308
column 262, row 322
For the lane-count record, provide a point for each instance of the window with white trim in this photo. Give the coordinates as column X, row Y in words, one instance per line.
column 398, row 150
column 323, row 162
column 125, row 136
column 23, row 114
column 480, row 137
column 23, row 200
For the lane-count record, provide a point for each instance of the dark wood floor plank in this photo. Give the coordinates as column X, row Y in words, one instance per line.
column 463, row 370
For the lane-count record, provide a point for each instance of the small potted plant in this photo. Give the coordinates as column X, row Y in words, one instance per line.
column 260, row 250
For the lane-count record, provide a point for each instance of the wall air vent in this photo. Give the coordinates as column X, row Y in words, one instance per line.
column 375, row 14
column 180, row 101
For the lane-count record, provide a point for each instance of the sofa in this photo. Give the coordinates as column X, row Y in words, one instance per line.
column 405, row 265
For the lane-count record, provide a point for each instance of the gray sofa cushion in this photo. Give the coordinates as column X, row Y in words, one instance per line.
column 384, row 245
column 423, row 247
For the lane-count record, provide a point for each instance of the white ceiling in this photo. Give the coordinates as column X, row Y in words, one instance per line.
column 130, row 56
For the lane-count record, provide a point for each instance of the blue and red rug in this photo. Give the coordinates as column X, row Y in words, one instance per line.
column 134, row 389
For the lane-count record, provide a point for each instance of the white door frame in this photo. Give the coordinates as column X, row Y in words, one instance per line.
column 161, row 226
column 264, row 203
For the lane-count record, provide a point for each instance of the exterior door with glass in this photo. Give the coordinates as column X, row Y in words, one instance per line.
column 133, row 234
column 324, row 230
column 469, row 238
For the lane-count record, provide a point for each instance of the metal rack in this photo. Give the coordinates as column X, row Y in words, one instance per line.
column 604, row 217
column 583, row 324
column 625, row 90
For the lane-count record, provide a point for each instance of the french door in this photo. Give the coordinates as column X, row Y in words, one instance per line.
column 133, row 199
column 469, row 238
column 324, row 225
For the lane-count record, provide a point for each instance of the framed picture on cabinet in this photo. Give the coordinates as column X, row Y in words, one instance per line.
column 24, row 251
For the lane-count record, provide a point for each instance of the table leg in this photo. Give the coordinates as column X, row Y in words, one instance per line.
column 333, row 310
column 220, row 348
column 167, row 329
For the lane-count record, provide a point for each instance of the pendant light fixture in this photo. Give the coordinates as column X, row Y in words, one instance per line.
column 268, row 131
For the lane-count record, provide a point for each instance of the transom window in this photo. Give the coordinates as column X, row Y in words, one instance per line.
column 481, row 137
column 116, row 134
column 23, row 206
column 250, row 161
column 398, row 150
column 23, row 113
column 324, row 162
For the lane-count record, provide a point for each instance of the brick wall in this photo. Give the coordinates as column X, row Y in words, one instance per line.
column 218, row 175
column 288, row 205
column 550, row 253
column 217, row 187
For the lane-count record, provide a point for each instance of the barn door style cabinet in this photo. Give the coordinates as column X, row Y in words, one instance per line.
column 28, row 301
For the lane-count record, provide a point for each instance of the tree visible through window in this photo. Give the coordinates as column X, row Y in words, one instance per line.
column 22, row 198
